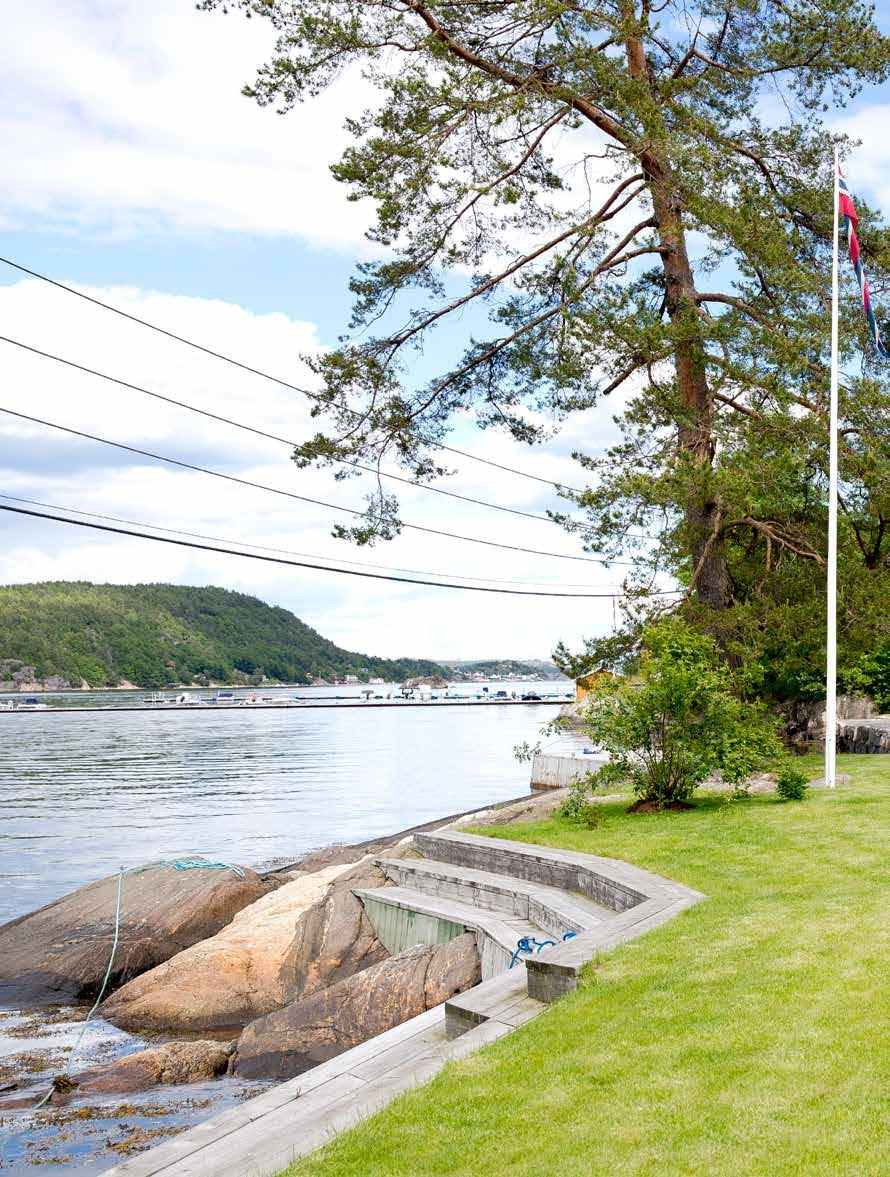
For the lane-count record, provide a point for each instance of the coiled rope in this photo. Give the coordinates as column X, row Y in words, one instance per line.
column 532, row 946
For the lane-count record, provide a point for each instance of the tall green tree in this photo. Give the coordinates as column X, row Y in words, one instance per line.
column 640, row 196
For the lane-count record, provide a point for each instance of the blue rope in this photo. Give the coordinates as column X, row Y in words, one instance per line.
column 531, row 945
column 195, row 863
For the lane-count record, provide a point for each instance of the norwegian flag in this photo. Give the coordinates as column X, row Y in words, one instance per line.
column 851, row 221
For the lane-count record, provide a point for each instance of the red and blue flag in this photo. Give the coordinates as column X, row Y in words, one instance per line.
column 847, row 210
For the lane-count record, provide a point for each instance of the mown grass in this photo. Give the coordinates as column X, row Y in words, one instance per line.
column 751, row 1035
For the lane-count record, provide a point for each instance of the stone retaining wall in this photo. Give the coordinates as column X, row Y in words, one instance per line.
column 864, row 736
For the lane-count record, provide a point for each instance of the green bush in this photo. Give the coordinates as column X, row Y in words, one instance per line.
column 683, row 718
column 791, row 783
column 578, row 808
column 871, row 676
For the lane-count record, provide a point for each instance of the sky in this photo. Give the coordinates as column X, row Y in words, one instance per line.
column 137, row 172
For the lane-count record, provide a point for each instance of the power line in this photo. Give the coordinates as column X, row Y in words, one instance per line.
column 303, row 498
column 259, row 371
column 269, row 436
column 182, row 543
column 281, row 551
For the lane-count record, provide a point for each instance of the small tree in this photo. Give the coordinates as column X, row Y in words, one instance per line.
column 683, row 718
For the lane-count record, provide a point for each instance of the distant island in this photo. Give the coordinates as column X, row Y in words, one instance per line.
column 504, row 668
column 65, row 634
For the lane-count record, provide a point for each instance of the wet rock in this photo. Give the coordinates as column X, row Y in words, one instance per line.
column 229, row 979
column 316, row 1028
column 61, row 951
column 334, row 939
column 338, row 854
column 172, row 1063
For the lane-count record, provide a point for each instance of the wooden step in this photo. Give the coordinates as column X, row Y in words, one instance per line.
column 503, row 999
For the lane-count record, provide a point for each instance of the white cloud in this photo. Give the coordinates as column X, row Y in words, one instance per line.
column 125, row 125
column 868, row 169
column 368, row 615
column 123, row 119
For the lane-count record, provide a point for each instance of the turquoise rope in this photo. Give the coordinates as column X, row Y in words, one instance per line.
column 194, row 863
column 177, row 864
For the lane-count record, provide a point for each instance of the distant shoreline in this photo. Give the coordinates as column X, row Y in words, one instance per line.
column 214, row 686
column 334, row 704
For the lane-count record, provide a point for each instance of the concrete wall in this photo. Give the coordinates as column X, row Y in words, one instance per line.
column 864, row 736
column 559, row 772
column 399, row 928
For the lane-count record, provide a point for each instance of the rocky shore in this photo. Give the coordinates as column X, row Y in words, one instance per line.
column 221, row 973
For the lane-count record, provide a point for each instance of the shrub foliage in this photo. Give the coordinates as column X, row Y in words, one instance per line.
column 682, row 718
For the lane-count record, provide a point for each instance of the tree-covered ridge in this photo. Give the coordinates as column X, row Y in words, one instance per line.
column 504, row 667
column 152, row 634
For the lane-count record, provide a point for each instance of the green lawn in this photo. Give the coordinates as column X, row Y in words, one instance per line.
column 751, row 1035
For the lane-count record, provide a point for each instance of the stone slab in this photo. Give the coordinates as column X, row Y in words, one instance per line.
column 554, row 910
column 603, row 880
column 462, row 915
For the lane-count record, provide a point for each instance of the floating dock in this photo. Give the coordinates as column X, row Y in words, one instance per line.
column 220, row 708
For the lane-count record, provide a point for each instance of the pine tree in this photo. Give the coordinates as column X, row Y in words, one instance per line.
column 640, row 196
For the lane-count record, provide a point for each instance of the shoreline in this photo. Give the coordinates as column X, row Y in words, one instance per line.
column 322, row 856
column 219, row 708
column 43, row 689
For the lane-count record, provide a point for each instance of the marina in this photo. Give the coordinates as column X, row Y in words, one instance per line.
column 280, row 699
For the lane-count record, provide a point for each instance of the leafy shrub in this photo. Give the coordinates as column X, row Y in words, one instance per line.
column 791, row 783
column 871, row 676
column 578, row 808
column 683, row 718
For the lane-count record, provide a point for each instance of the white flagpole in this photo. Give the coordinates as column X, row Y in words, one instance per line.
column 831, row 588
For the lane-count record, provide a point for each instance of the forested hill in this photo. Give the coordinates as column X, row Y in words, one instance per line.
column 153, row 634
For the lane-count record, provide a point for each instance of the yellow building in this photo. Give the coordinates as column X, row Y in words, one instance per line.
column 587, row 684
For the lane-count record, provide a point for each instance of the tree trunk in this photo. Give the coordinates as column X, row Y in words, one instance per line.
column 695, row 434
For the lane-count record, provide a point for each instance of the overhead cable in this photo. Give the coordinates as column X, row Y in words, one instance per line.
column 282, row 551
column 303, row 498
column 270, row 436
column 182, row 543
column 259, row 371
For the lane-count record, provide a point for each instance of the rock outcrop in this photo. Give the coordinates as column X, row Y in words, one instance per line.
column 228, row 980
column 334, row 939
column 864, row 736
column 318, row 1027
column 60, row 952
column 804, row 721
column 15, row 675
column 172, row 1063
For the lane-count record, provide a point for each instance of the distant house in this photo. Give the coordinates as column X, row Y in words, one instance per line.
column 587, row 683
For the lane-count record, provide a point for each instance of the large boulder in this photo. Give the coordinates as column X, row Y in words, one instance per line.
column 228, row 980
column 334, row 939
column 60, row 952
column 316, row 1028
column 174, row 1062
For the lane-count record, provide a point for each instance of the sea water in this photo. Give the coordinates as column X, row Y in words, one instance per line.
column 84, row 793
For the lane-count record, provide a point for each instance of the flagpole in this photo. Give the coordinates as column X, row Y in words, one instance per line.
column 831, row 587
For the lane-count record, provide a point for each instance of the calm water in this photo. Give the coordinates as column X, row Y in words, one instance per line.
column 81, row 794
